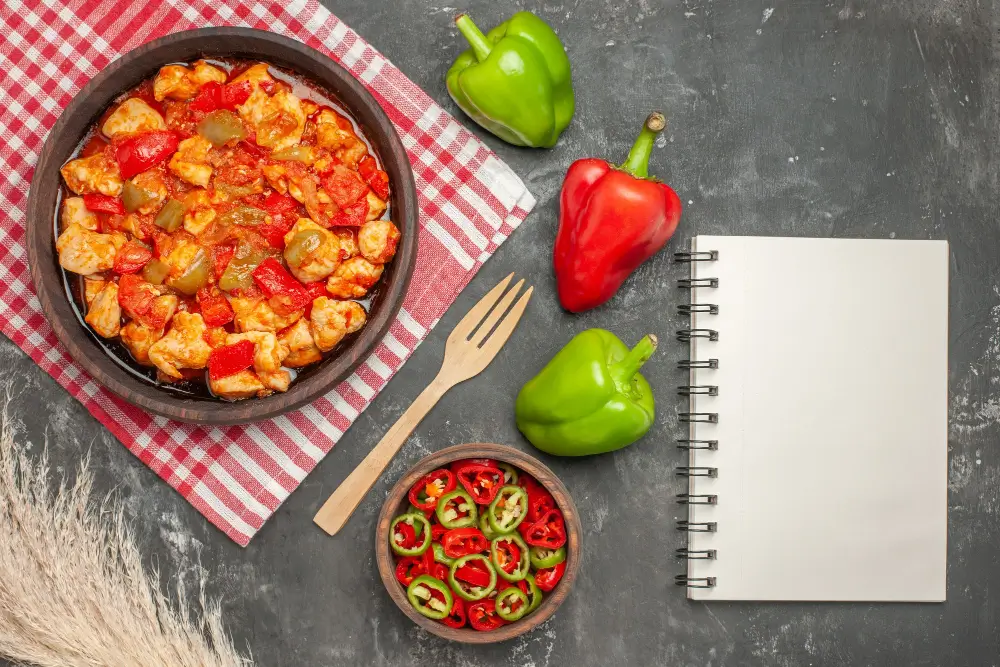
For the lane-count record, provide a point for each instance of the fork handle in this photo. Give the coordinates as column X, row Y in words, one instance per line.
column 339, row 507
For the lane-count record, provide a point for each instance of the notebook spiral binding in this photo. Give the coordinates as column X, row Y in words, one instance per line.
column 689, row 444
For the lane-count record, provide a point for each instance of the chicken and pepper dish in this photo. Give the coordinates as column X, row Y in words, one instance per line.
column 225, row 219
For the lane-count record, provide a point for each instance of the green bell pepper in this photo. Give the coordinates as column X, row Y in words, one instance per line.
column 430, row 597
column 507, row 510
column 514, row 81
column 472, row 583
column 512, row 604
column 590, row 398
column 456, row 509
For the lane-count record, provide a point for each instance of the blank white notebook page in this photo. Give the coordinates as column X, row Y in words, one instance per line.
column 832, row 453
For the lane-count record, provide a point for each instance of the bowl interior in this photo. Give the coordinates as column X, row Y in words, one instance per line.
column 396, row 503
column 127, row 72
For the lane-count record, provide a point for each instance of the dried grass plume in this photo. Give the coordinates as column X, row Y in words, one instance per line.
column 73, row 591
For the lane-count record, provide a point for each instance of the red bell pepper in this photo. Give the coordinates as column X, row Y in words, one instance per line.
column 455, row 619
column 482, row 482
column 455, row 466
column 230, row 360
column 547, row 578
column 425, row 493
column 522, row 585
column 276, row 203
column 437, row 532
column 104, row 204
column 508, row 555
column 409, row 568
column 208, row 99
column 137, row 297
column 275, row 281
column 483, row 615
column 549, row 531
column 376, row 179
column 215, row 308
column 473, row 576
column 221, row 254
column 351, row 216
column 460, row 542
column 235, row 94
column 611, row 220
column 131, row 257
column 138, row 153
column 439, row 571
column 316, row 290
column 344, row 186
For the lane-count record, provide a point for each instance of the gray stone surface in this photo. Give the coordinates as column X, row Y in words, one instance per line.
column 848, row 118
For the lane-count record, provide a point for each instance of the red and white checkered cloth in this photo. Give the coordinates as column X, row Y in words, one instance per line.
column 470, row 202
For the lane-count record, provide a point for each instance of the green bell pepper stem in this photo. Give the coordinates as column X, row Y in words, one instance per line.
column 465, row 590
column 523, row 565
column 413, row 520
column 505, row 604
column 477, row 40
column 535, row 594
column 626, row 369
column 542, row 558
column 637, row 162
column 420, row 595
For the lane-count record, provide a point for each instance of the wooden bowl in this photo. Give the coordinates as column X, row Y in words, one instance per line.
column 397, row 503
column 88, row 105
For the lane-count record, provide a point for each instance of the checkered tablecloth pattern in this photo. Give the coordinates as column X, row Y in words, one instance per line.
column 470, row 202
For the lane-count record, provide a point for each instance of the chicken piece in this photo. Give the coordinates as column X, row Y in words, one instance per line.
column 336, row 133
column 332, row 320
column 299, row 341
column 75, row 211
column 376, row 206
column 104, row 314
column 309, row 107
column 180, row 83
column 85, row 252
column 258, row 75
column 353, row 278
column 238, row 385
column 200, row 213
column 152, row 181
column 95, row 174
column 118, row 239
column 377, row 241
column 91, row 288
column 138, row 338
column 132, row 116
column 268, row 352
column 184, row 346
column 295, row 180
column 190, row 162
column 348, row 241
column 216, row 337
column 312, row 265
column 277, row 381
column 277, row 120
column 258, row 315
column 182, row 256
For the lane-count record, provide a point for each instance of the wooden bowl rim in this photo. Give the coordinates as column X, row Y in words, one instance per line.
column 94, row 97
column 506, row 454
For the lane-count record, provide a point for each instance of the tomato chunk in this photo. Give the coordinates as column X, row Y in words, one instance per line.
column 230, row 360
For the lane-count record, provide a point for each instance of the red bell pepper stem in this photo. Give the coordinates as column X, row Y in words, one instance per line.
column 637, row 162
column 626, row 369
column 481, row 46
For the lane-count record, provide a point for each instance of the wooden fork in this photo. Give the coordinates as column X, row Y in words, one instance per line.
column 470, row 348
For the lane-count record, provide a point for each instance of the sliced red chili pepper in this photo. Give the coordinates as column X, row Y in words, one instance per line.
column 460, row 542
column 230, row 360
column 503, row 584
column 548, row 578
column 549, row 531
column 215, row 308
column 131, row 257
column 483, row 615
column 455, row 466
column 456, row 619
column 473, row 575
column 482, row 482
column 376, row 179
column 429, row 562
column 209, row 98
column 403, row 529
column 439, row 571
column 235, row 94
column 351, row 216
column 539, row 503
column 274, row 280
column 408, row 568
column 138, row 153
column 425, row 493
column 437, row 530
column 221, row 254
column 508, row 555
column 104, row 204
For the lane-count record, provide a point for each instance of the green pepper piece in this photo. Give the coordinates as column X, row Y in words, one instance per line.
column 134, row 197
column 221, row 126
column 465, row 590
column 171, row 216
column 195, row 276
column 155, row 271
column 514, row 81
column 484, row 525
column 440, row 556
column 535, row 595
column 244, row 216
column 239, row 271
column 508, row 509
column 507, row 604
column 590, row 398
column 542, row 558
column 302, row 245
column 523, row 565
column 420, row 593
column 510, row 473
column 298, row 153
column 412, row 520
column 448, row 516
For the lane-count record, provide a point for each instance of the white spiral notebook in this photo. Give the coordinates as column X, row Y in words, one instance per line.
column 818, row 419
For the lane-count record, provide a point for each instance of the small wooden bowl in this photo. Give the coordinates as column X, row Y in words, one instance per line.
column 397, row 503
column 127, row 72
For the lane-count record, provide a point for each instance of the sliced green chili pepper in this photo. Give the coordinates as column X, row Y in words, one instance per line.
column 404, row 538
column 542, row 558
column 171, row 216
column 484, row 525
column 155, row 271
column 508, row 509
column 509, row 473
column 534, row 594
column 509, row 554
column 456, row 509
column 421, row 594
column 440, row 556
column 512, row 604
column 195, row 276
column 472, row 577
